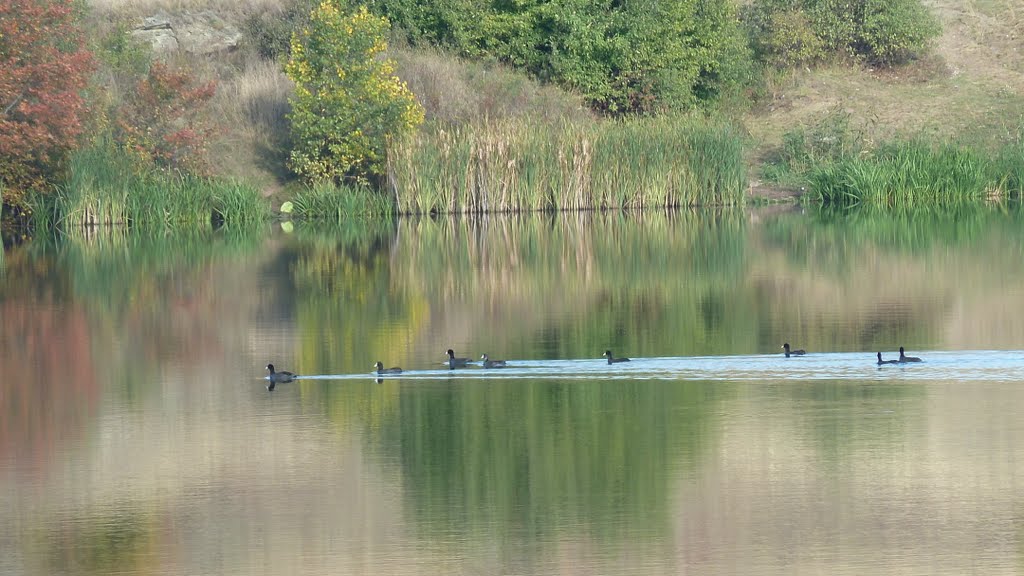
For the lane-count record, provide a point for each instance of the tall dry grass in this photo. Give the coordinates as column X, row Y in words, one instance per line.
column 251, row 108
column 455, row 91
column 520, row 165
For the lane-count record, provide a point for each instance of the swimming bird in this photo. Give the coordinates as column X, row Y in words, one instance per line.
column 792, row 352
column 613, row 359
column 905, row 358
column 880, row 361
column 276, row 377
column 488, row 363
column 382, row 370
column 454, row 362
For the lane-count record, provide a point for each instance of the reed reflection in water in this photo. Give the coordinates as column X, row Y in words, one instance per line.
column 137, row 435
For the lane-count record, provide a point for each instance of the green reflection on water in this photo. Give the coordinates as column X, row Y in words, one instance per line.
column 519, row 457
column 572, row 286
column 537, row 459
column 869, row 279
column 915, row 230
column 562, row 286
column 118, row 544
column 112, row 267
column 344, row 298
column 834, row 415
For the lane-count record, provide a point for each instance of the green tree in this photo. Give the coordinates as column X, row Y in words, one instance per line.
column 348, row 103
column 625, row 56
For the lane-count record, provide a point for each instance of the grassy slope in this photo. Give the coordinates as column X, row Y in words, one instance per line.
column 971, row 87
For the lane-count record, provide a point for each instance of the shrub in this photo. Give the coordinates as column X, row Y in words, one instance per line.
column 161, row 121
column 895, row 30
column 43, row 70
column 348, row 103
column 787, row 39
column 117, row 50
column 836, row 22
column 884, row 31
column 730, row 68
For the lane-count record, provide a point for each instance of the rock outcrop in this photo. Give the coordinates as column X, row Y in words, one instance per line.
column 197, row 33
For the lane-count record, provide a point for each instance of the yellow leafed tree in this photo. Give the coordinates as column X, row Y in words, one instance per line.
column 348, row 103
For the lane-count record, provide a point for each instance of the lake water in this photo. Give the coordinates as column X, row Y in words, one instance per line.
column 137, row 435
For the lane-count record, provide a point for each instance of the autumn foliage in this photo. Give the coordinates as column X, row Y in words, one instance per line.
column 348, row 103
column 162, row 123
column 43, row 69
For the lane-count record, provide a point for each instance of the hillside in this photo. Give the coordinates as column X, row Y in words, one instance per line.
column 972, row 83
column 971, row 86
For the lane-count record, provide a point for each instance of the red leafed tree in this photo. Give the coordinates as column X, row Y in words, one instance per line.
column 162, row 120
column 43, row 70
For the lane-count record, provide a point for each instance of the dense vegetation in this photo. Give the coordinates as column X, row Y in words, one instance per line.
column 789, row 33
column 623, row 57
column 483, row 71
column 44, row 67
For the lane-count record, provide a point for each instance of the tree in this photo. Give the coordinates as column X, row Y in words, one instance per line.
column 348, row 103
column 624, row 56
column 43, row 70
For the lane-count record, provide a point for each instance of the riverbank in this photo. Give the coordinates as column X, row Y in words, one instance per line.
column 796, row 131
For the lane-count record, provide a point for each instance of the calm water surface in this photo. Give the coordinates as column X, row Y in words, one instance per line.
column 137, row 435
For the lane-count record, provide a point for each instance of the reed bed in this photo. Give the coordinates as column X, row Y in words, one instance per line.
column 104, row 187
column 517, row 165
column 915, row 172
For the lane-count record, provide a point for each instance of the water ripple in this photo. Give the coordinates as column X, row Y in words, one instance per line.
column 975, row 365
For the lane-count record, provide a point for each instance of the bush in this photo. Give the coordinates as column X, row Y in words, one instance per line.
column 348, row 104
column 786, row 39
column 730, row 67
column 161, row 121
column 896, row 30
column 43, row 70
column 885, row 32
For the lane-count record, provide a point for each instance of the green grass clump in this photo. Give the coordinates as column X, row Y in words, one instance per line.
column 330, row 202
column 1008, row 166
column 908, row 173
column 516, row 165
column 104, row 187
